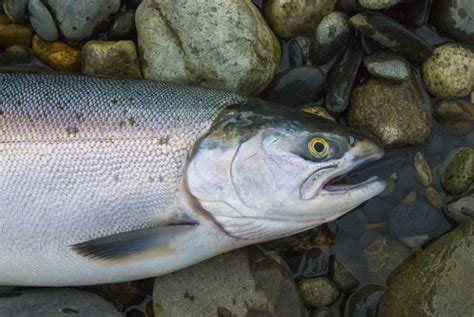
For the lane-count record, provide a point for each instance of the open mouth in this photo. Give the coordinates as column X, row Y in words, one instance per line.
column 339, row 185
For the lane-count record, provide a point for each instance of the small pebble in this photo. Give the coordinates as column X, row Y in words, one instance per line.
column 410, row 198
column 453, row 111
column 318, row 291
column 433, row 197
column 387, row 65
column 58, row 55
column 455, row 18
column 415, row 241
column 449, row 71
column 378, row 4
column 422, row 170
column 123, row 27
column 457, row 170
column 412, row 219
column 42, row 21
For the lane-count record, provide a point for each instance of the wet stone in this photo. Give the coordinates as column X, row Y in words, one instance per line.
column 331, row 37
column 318, row 291
column 449, row 72
column 410, row 197
column 392, row 35
column 341, row 276
column 304, row 43
column 413, row 219
column 315, row 262
column 16, row 55
column 433, row 197
column 453, row 111
column 422, row 170
column 378, row 4
column 296, row 87
column 455, row 18
column 15, row 9
column 14, row 34
column 364, row 301
column 387, row 65
column 457, row 170
column 340, row 80
column 461, row 208
column 58, row 55
column 291, row 55
column 123, row 27
column 42, row 21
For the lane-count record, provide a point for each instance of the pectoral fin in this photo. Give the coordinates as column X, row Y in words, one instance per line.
column 153, row 241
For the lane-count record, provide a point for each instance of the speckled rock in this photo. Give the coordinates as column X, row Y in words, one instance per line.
column 113, row 59
column 16, row 55
column 383, row 256
column 318, row 291
column 455, row 18
column 123, row 27
column 16, row 9
column 378, row 4
column 449, row 72
column 55, row 302
column 80, row 19
column 42, row 21
column 387, row 65
column 331, row 37
column 289, row 18
column 457, row 170
column 58, row 55
column 422, row 170
column 14, row 34
column 319, row 111
column 397, row 114
column 177, row 47
column 453, row 111
column 437, row 282
column 461, row 208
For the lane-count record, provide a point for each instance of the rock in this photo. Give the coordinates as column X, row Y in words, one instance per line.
column 433, row 197
column 437, row 282
column 417, row 12
column 364, row 301
column 410, row 198
column 16, row 9
column 340, row 80
column 16, row 55
column 378, row 4
column 207, row 289
column 80, row 19
column 331, row 37
column 387, row 65
column 449, row 72
column 291, row 55
column 319, row 111
column 341, row 276
column 453, row 111
column 422, row 170
column 457, row 170
column 413, row 219
column 123, row 27
column 55, row 302
column 392, row 35
column 289, row 18
column 315, row 262
column 383, row 256
column 455, row 18
column 175, row 46
column 58, row 55
column 318, row 291
column 112, row 59
column 296, row 87
column 304, row 43
column 397, row 114
column 14, row 34
column 42, row 21
column 461, row 209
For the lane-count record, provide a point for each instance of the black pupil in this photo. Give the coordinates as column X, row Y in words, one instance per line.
column 318, row 147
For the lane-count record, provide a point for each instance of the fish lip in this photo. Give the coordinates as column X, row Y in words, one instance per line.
column 374, row 181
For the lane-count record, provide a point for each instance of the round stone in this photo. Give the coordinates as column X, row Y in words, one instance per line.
column 123, row 27
column 455, row 18
column 453, row 111
column 318, row 291
column 387, row 65
column 412, row 219
column 378, row 4
column 457, row 170
column 42, row 21
column 16, row 9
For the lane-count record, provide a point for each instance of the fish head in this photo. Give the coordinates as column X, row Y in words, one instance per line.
column 267, row 171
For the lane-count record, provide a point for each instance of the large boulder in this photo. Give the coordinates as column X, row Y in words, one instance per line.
column 224, row 44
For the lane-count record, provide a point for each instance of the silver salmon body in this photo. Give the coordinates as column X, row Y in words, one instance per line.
column 108, row 180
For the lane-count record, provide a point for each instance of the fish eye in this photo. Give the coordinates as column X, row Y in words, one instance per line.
column 318, row 147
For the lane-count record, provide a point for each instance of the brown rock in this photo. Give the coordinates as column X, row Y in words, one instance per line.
column 14, row 34
column 453, row 111
column 57, row 55
column 422, row 170
column 433, row 197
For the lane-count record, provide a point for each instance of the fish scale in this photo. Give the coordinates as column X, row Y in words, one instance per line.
column 86, row 157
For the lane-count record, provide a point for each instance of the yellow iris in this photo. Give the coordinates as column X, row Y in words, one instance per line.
column 318, row 147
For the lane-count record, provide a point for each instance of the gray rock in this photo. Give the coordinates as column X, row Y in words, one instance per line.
column 397, row 114
column 457, row 170
column 229, row 285
column 42, row 21
column 461, row 208
column 437, row 282
column 378, row 4
column 455, row 18
column 16, row 55
column 80, row 19
column 318, row 291
column 177, row 47
column 387, row 65
column 449, row 72
column 55, row 302
column 290, row 18
column 123, row 27
column 341, row 276
column 16, row 9
column 331, row 37
column 114, row 59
